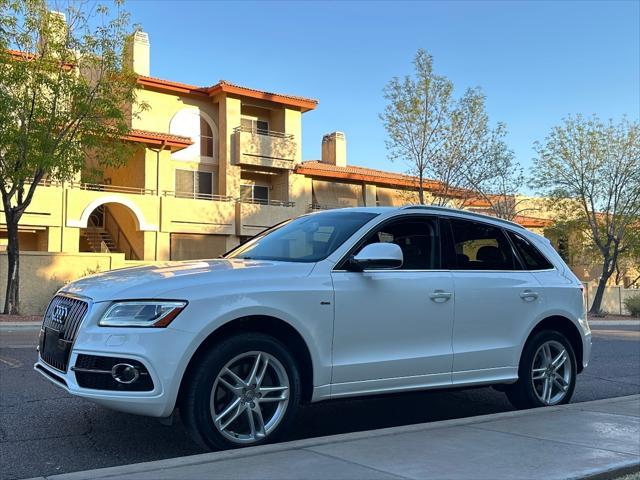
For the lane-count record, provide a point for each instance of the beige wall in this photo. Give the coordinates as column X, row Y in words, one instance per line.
column 164, row 106
column 43, row 273
column 197, row 216
column 229, row 178
column 197, row 246
column 132, row 174
column 613, row 299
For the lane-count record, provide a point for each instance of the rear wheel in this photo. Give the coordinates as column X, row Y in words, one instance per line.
column 245, row 391
column 547, row 372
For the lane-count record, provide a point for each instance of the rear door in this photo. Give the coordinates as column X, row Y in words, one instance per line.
column 496, row 300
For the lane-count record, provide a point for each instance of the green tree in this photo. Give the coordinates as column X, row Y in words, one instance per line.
column 64, row 92
column 449, row 140
column 628, row 264
column 416, row 116
column 591, row 169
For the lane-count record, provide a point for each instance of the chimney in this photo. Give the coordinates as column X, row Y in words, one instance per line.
column 137, row 52
column 334, row 149
column 54, row 31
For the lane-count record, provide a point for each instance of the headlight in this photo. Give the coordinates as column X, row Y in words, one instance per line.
column 152, row 313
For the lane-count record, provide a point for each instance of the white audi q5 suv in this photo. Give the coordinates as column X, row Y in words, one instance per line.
column 348, row 302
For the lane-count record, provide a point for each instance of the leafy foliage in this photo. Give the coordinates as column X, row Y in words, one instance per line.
column 449, row 140
column 416, row 116
column 633, row 305
column 65, row 101
column 591, row 171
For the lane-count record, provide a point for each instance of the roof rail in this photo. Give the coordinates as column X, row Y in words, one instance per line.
column 465, row 212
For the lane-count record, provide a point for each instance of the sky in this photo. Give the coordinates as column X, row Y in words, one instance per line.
column 536, row 62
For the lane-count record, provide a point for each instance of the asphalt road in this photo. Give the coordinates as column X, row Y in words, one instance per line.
column 44, row 431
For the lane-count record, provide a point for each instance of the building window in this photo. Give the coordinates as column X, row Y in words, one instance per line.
column 194, row 184
column 254, row 125
column 250, row 193
column 206, row 139
column 190, row 123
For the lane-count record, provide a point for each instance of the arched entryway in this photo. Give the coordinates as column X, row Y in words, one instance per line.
column 113, row 227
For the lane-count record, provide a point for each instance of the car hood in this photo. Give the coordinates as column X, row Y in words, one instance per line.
column 158, row 280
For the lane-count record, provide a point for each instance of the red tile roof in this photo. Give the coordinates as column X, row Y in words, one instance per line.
column 532, row 222
column 316, row 168
column 305, row 104
column 174, row 142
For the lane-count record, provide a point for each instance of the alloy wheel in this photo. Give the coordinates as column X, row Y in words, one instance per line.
column 551, row 372
column 249, row 397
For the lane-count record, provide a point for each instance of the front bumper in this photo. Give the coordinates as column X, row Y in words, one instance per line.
column 163, row 351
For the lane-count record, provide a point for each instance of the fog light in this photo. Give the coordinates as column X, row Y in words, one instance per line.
column 125, row 373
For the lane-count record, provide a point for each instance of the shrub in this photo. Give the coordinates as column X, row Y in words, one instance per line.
column 633, row 305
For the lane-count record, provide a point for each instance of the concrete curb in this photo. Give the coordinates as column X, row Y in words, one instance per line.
column 319, row 441
column 20, row 325
column 614, row 323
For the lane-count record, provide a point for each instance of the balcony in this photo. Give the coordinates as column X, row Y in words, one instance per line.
column 252, row 217
column 264, row 148
column 197, row 213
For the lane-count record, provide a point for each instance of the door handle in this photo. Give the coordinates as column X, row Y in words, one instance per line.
column 440, row 296
column 529, row 295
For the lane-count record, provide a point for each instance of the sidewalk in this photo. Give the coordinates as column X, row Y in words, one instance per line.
column 598, row 439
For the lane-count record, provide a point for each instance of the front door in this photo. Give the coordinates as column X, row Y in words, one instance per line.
column 393, row 327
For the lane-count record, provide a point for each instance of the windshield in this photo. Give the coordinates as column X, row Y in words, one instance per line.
column 306, row 239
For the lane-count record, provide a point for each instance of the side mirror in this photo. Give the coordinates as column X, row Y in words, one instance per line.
column 377, row 256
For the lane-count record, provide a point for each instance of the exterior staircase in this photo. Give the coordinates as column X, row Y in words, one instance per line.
column 99, row 240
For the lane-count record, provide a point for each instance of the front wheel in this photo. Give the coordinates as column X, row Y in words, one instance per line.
column 547, row 372
column 245, row 391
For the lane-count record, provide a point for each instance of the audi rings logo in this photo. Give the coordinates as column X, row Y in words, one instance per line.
column 59, row 315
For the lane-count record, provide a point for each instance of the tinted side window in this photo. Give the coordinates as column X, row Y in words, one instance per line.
column 417, row 237
column 530, row 255
column 479, row 246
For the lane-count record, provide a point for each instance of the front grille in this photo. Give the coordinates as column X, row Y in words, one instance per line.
column 59, row 329
column 70, row 323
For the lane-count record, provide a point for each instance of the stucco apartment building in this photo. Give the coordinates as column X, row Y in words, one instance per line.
column 214, row 166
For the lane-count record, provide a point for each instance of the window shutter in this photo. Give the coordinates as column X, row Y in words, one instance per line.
column 184, row 183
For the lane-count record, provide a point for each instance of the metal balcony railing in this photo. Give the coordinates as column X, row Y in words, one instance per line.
column 169, row 193
column 312, row 207
column 98, row 187
column 276, row 203
column 267, row 133
column 197, row 196
column 112, row 188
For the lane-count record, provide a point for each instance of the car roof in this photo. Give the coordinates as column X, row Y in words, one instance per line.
column 429, row 208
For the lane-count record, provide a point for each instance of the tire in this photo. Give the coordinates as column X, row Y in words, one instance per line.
column 528, row 392
column 229, row 382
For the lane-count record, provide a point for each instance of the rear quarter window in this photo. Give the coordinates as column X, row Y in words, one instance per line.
column 531, row 257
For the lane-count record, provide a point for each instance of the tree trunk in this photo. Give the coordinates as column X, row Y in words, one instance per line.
column 12, row 297
column 602, row 283
column 421, row 190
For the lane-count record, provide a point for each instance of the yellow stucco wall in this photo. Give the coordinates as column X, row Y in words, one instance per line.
column 43, row 273
column 163, row 106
